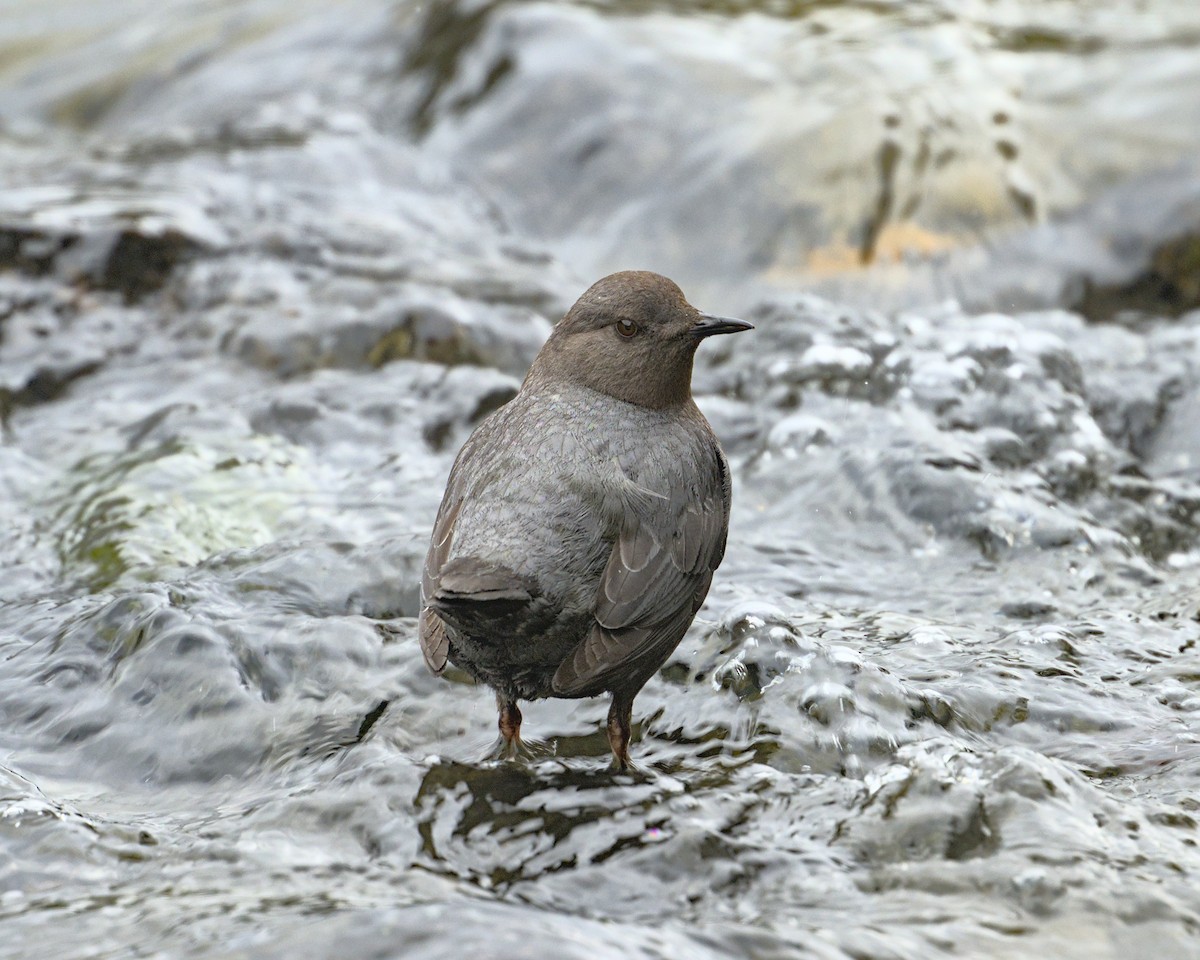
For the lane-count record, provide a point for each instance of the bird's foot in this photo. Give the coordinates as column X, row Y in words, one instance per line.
column 510, row 745
column 625, row 765
column 521, row 749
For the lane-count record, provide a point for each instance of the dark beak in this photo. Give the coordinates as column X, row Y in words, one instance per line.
column 708, row 326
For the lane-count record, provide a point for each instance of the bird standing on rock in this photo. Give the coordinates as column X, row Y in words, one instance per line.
column 583, row 520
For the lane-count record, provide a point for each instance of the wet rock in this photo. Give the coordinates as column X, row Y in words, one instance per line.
column 1169, row 283
column 1028, row 609
column 134, row 261
column 1002, row 431
column 795, row 434
column 924, row 181
column 1133, row 380
column 1001, row 802
column 163, row 508
column 493, row 928
column 815, row 703
column 44, row 384
column 413, row 324
column 1127, row 255
column 51, row 337
column 135, row 656
column 31, row 251
column 934, row 809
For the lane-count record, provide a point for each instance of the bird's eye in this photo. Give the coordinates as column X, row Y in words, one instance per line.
column 626, row 328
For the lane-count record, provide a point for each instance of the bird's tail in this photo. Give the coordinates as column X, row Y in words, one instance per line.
column 479, row 597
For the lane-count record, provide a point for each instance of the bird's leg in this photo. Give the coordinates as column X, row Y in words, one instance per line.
column 510, row 724
column 619, row 715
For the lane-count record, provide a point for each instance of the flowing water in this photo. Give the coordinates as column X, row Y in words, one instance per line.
column 263, row 266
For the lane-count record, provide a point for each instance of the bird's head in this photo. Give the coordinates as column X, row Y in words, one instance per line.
column 632, row 335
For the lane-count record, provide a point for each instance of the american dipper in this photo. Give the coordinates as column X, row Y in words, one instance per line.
column 583, row 520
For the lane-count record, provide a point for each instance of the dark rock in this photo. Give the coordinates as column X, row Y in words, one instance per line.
column 126, row 260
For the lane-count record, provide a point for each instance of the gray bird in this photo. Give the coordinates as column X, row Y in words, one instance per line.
column 583, row 520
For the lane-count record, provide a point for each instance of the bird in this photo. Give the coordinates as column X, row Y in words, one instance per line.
column 583, row 520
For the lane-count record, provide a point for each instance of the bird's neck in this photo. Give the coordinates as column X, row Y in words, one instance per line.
column 654, row 389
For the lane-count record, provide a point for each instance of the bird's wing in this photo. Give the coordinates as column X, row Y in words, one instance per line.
column 431, row 629
column 655, row 581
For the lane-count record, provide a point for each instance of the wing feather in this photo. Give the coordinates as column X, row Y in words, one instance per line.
column 656, row 579
column 435, row 646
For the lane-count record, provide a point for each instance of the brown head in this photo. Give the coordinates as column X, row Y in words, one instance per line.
column 632, row 336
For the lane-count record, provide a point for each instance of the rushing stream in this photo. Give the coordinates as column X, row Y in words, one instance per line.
column 264, row 265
